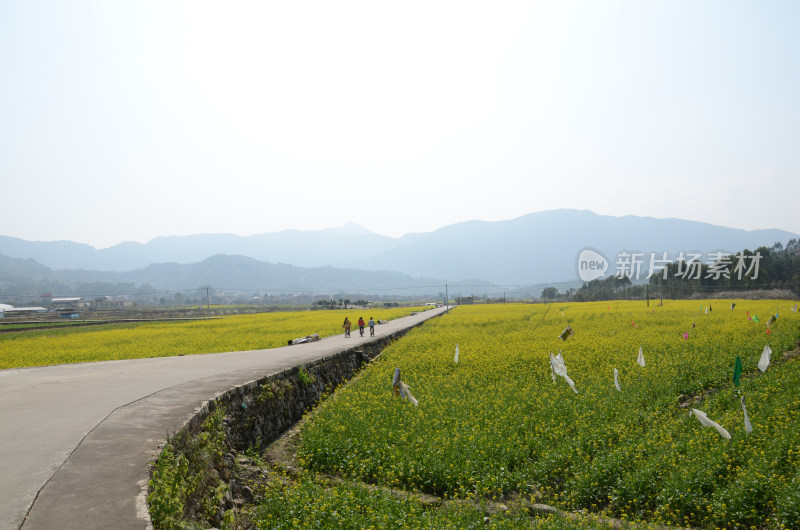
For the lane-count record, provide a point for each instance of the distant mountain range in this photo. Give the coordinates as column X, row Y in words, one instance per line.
column 221, row 272
column 533, row 249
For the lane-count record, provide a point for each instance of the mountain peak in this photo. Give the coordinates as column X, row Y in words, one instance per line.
column 537, row 247
column 349, row 228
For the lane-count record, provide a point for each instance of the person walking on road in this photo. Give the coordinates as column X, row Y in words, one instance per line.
column 346, row 327
column 371, row 327
column 361, row 325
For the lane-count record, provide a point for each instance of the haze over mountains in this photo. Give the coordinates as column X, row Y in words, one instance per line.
column 536, row 248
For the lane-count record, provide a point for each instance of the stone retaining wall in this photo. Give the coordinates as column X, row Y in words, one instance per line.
column 258, row 413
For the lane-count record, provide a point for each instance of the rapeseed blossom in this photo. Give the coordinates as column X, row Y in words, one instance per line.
column 494, row 426
column 163, row 339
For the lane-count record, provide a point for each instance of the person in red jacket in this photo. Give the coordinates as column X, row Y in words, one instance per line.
column 361, row 325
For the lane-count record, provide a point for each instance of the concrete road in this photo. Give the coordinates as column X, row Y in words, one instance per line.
column 75, row 440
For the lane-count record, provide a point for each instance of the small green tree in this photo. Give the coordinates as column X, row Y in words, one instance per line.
column 549, row 293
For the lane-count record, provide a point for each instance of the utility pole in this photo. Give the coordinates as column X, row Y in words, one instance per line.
column 446, row 300
column 208, row 305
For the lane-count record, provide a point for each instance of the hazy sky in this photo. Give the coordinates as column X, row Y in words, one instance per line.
column 129, row 120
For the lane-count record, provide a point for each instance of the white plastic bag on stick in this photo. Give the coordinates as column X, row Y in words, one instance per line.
column 701, row 416
column 559, row 368
column 747, row 426
column 764, row 362
column 405, row 393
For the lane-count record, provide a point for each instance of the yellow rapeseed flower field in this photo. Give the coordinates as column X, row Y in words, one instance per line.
column 162, row 339
column 500, row 423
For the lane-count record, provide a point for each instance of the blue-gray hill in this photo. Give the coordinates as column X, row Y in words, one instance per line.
column 536, row 248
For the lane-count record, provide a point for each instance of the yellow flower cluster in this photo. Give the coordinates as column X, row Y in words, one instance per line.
column 500, row 422
column 163, row 339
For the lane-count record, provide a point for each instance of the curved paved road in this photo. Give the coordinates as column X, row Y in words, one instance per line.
column 75, row 440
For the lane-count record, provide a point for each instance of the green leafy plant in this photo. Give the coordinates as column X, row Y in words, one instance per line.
column 187, row 475
column 304, row 377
